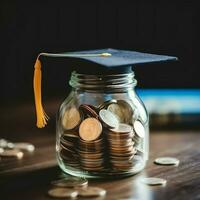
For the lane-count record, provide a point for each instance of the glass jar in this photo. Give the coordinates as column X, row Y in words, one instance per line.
column 102, row 127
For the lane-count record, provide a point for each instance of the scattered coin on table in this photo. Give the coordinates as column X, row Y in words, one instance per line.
column 22, row 146
column 167, row 161
column 91, row 192
column 62, row 193
column 154, row 181
column 12, row 153
column 70, row 182
column 3, row 143
column 1, row 150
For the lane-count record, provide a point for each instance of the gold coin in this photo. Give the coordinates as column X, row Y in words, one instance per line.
column 12, row 153
column 91, row 192
column 90, row 129
column 108, row 118
column 62, row 193
column 71, row 118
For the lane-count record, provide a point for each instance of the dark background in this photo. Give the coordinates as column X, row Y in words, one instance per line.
column 162, row 27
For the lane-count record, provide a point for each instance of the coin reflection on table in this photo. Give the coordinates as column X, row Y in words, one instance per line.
column 91, row 192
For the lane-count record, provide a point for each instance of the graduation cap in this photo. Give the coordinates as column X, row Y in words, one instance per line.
column 102, row 61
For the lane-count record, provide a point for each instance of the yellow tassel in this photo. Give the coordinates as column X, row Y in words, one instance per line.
column 42, row 117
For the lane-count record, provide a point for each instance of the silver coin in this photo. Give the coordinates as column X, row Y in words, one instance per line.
column 1, row 150
column 106, row 104
column 70, row 182
column 122, row 110
column 22, row 146
column 12, row 153
column 62, row 193
column 166, row 161
column 3, row 143
column 154, row 181
column 108, row 118
column 92, row 192
column 123, row 128
column 139, row 129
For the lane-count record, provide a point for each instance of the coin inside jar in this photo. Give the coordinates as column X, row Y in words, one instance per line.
column 122, row 110
column 88, row 110
column 90, row 129
column 108, row 118
column 105, row 104
column 91, row 192
column 123, row 128
column 139, row 128
column 71, row 118
column 62, row 193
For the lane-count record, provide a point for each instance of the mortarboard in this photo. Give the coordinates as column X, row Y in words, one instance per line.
column 102, row 61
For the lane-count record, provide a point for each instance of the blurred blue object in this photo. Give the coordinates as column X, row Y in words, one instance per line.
column 171, row 101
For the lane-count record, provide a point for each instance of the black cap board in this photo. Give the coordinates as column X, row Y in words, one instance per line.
column 108, row 60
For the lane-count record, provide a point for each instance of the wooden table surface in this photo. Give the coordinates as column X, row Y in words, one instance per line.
column 30, row 177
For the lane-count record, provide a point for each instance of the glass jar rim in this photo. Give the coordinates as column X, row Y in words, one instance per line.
column 103, row 82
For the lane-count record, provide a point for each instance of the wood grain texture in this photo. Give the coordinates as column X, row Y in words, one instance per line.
column 30, row 177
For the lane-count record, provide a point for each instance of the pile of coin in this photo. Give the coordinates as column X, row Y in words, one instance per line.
column 92, row 154
column 121, row 147
column 9, row 149
column 100, row 138
column 68, row 149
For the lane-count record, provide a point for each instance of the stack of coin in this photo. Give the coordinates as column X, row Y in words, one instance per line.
column 91, row 154
column 121, row 147
column 68, row 151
